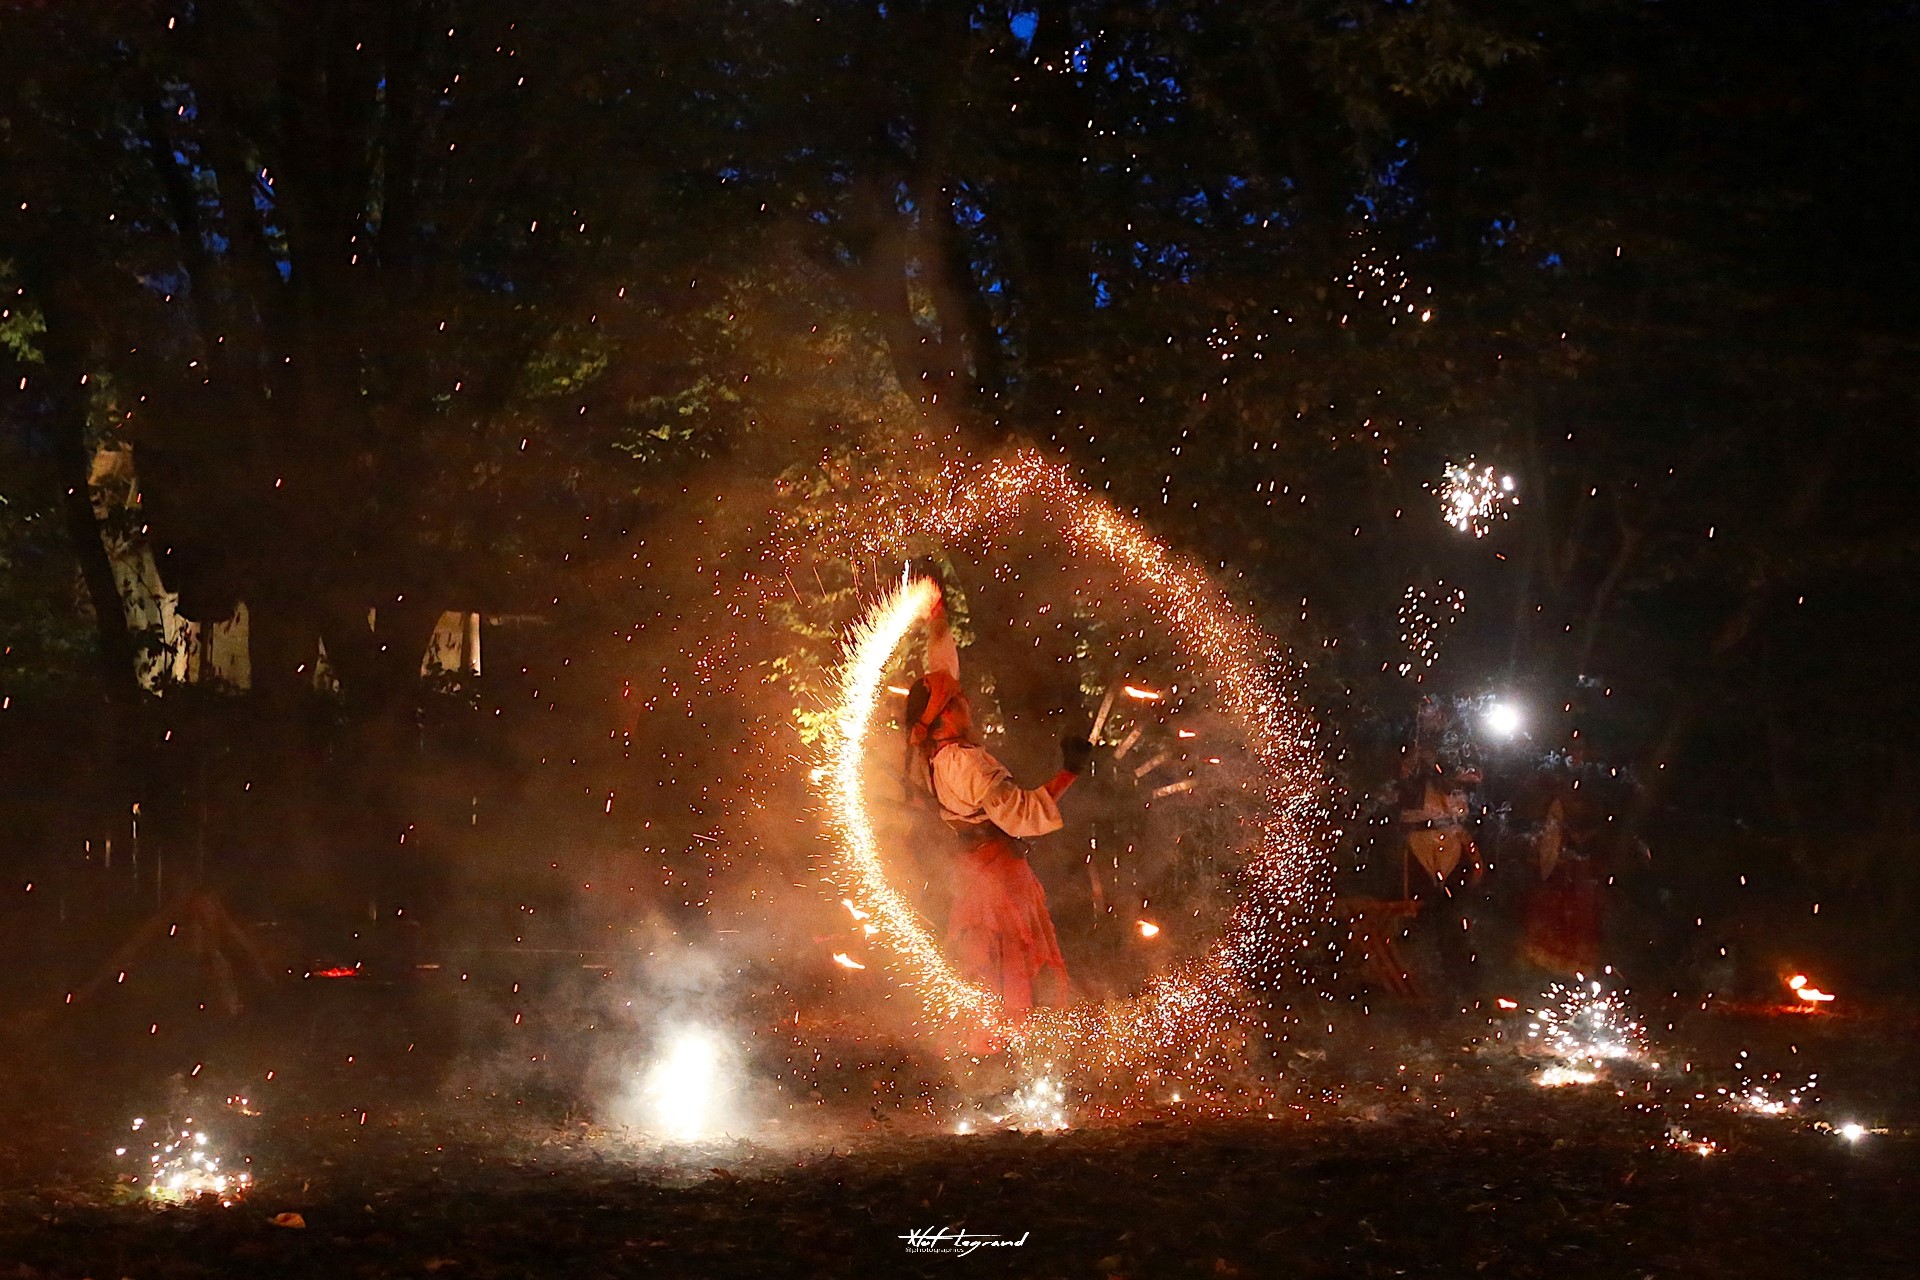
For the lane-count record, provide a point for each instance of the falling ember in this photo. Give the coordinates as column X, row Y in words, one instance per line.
column 846, row 961
column 1422, row 615
column 1283, row 874
column 1139, row 694
column 1148, row 929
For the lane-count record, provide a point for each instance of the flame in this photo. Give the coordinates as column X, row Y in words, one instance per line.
column 1148, row 929
column 1804, row 989
column 846, row 961
column 1139, row 694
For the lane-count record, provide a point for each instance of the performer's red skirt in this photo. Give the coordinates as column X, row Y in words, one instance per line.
column 999, row 932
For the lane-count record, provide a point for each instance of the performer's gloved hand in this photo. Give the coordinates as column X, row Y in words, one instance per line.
column 1074, row 754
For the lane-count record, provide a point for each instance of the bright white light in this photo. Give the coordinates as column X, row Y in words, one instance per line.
column 1503, row 718
column 1851, row 1131
column 687, row 1088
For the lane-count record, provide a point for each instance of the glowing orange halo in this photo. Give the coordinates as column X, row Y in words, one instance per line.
column 1287, row 867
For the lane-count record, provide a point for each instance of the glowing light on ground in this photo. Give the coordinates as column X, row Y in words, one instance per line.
column 1583, row 1027
column 182, row 1165
column 1560, row 1077
column 687, row 1091
column 1807, row 992
column 1284, row 872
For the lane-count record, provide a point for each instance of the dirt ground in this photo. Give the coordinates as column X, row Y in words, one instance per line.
column 1417, row 1149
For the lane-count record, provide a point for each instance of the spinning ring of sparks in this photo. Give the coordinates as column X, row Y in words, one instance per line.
column 1184, row 1017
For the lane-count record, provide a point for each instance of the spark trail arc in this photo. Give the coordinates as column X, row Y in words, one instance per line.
column 1186, row 1012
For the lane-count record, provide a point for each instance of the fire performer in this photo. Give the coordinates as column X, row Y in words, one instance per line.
column 999, row 932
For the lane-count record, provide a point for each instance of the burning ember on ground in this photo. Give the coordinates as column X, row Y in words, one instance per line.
column 1679, row 1139
column 1811, row 995
column 182, row 1166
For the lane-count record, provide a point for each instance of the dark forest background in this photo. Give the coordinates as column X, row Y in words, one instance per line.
column 356, row 313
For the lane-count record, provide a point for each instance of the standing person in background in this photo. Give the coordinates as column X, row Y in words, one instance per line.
column 999, row 932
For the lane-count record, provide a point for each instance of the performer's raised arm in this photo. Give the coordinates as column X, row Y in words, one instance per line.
column 942, row 653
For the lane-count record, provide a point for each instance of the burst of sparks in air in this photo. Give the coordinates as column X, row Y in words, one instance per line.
column 1379, row 274
column 1422, row 614
column 182, row 1166
column 1472, row 498
column 1182, row 1014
